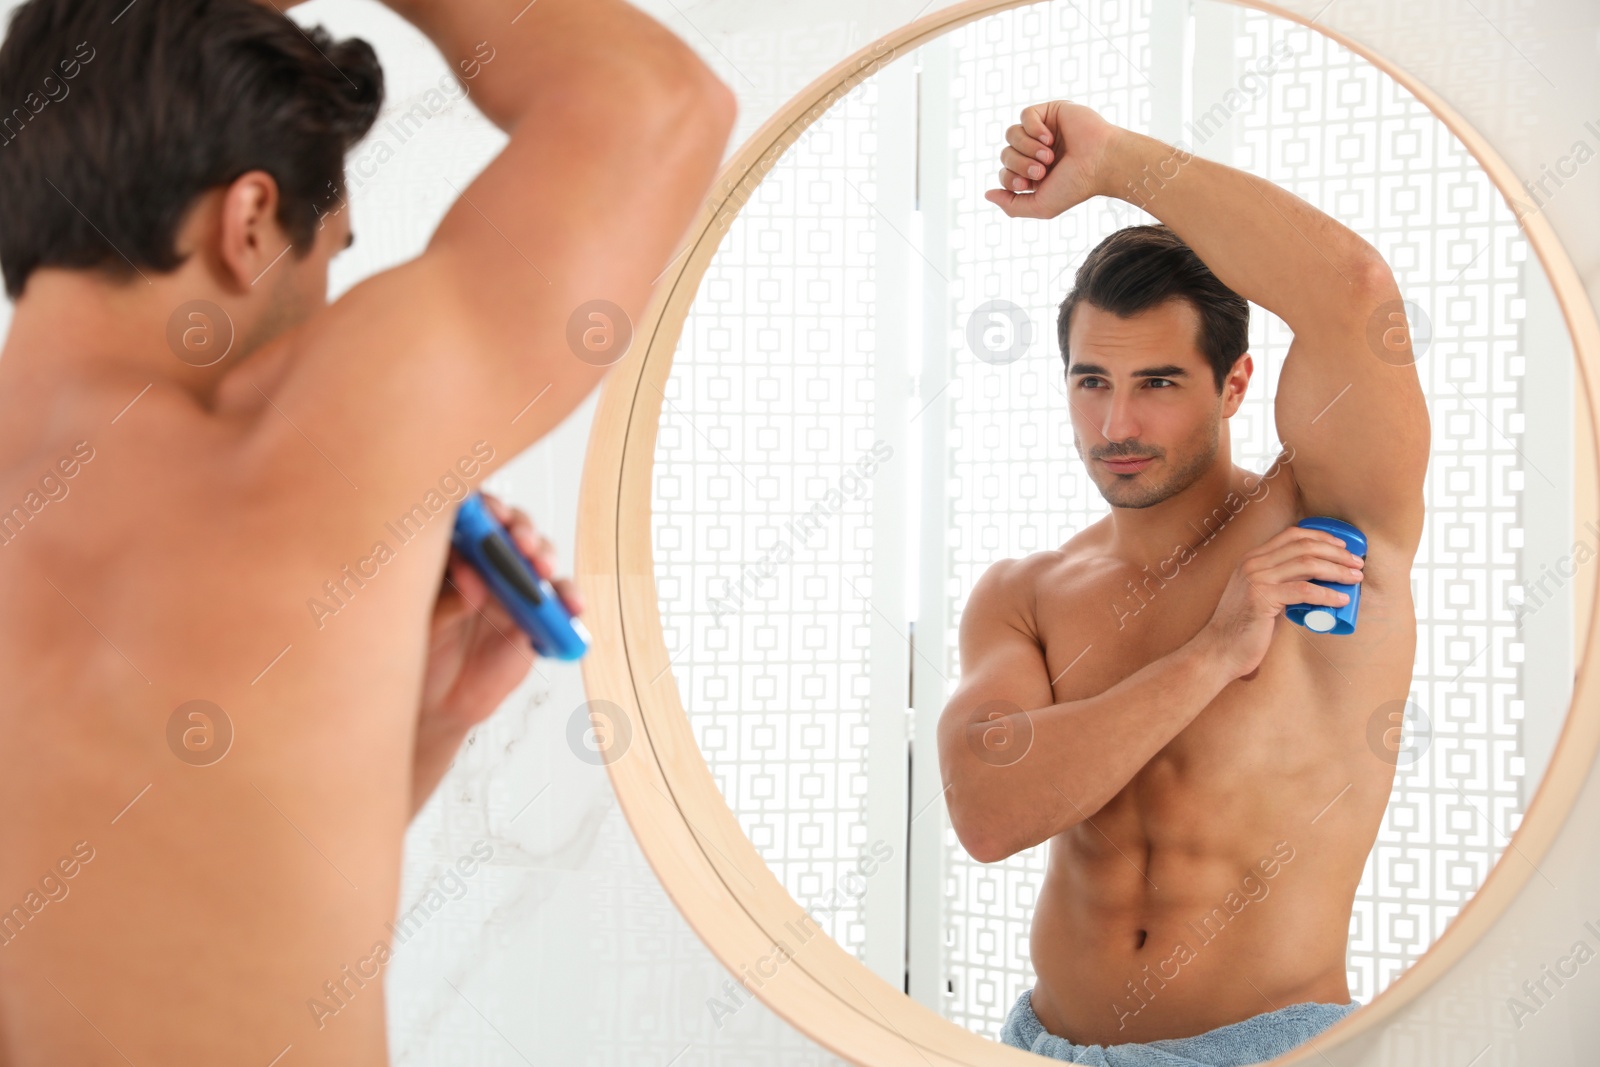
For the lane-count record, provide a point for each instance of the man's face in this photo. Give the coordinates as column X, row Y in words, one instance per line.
column 1139, row 387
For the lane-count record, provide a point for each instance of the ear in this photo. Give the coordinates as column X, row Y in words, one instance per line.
column 1235, row 384
column 251, row 239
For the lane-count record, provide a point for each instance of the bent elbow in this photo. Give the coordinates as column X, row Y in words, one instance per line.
column 720, row 103
column 988, row 850
column 991, row 834
column 978, row 846
column 687, row 98
column 977, row 834
column 1376, row 277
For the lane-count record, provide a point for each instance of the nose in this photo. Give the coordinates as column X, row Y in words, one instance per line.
column 1120, row 423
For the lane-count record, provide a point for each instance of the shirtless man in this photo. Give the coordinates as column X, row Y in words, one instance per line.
column 195, row 448
column 1200, row 765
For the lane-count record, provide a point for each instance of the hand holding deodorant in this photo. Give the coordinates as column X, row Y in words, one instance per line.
column 1323, row 618
column 530, row 599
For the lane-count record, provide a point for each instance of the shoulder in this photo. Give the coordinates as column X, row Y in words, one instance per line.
column 1015, row 584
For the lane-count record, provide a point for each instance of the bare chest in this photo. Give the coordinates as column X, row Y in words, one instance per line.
column 1309, row 702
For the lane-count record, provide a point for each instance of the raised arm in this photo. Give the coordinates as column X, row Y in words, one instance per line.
column 495, row 332
column 1019, row 768
column 1349, row 401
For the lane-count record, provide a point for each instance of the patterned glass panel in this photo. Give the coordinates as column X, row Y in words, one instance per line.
column 761, row 523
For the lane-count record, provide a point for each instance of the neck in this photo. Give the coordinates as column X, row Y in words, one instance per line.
column 1188, row 518
column 78, row 329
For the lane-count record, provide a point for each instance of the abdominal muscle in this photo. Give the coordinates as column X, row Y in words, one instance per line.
column 1140, row 941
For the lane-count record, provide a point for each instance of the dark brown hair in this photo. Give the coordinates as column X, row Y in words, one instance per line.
column 116, row 116
column 1139, row 267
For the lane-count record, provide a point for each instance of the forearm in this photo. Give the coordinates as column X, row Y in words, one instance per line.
column 1260, row 240
column 1081, row 753
column 546, row 49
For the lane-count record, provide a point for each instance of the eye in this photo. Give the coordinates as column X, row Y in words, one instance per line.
column 1169, row 381
column 1086, row 379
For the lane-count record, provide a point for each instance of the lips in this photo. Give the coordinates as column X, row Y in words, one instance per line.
column 1128, row 465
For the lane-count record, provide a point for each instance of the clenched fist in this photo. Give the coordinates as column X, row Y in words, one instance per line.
column 1054, row 159
column 477, row 654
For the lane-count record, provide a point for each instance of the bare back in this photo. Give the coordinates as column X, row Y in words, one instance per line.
column 1218, row 884
column 180, row 567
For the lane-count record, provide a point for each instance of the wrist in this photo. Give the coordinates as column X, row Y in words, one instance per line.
column 1137, row 166
column 1213, row 667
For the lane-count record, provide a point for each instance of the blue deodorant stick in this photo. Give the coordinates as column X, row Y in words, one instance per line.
column 530, row 599
column 1324, row 618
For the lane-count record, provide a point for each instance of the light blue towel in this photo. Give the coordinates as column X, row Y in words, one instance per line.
column 1253, row 1040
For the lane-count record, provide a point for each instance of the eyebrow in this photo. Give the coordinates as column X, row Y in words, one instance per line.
column 1166, row 370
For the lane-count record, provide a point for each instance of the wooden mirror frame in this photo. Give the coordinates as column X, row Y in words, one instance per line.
column 691, row 838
